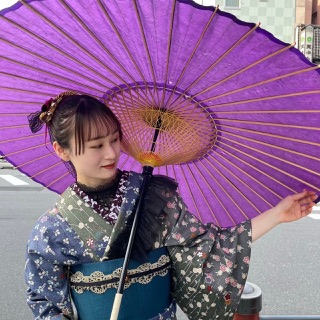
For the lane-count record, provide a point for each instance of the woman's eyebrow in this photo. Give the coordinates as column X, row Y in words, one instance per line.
column 96, row 138
column 101, row 137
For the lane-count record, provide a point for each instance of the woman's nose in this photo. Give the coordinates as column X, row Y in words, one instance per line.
column 109, row 152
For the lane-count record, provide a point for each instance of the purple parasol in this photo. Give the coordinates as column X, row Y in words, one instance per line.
column 239, row 109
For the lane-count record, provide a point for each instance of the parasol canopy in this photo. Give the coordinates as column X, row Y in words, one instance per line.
column 237, row 110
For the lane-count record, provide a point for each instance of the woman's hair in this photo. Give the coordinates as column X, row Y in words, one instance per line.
column 84, row 117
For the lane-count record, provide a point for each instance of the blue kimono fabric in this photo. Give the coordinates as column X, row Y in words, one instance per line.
column 147, row 288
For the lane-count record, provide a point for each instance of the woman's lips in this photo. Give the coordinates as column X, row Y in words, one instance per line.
column 110, row 166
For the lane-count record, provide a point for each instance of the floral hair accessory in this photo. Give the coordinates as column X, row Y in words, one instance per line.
column 44, row 116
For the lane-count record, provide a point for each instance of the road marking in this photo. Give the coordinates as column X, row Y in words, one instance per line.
column 13, row 180
column 315, row 214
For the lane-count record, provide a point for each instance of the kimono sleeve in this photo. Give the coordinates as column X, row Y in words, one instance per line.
column 210, row 264
column 49, row 253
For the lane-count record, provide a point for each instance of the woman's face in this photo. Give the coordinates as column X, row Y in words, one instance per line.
column 97, row 164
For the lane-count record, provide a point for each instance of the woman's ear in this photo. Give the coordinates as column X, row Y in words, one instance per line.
column 62, row 153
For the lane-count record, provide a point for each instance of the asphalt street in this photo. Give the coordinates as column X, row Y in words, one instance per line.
column 284, row 264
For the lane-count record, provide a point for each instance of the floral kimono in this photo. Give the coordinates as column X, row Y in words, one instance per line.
column 175, row 258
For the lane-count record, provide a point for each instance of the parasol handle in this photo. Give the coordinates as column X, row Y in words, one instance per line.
column 146, row 174
column 116, row 306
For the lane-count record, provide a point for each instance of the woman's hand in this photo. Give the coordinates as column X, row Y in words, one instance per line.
column 291, row 208
column 296, row 206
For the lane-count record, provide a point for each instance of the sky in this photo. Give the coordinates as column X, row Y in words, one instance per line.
column 7, row 3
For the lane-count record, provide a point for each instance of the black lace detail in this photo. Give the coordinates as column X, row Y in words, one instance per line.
column 35, row 123
column 107, row 187
column 108, row 204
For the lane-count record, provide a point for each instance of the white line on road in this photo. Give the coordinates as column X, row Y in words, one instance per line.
column 314, row 216
column 13, row 180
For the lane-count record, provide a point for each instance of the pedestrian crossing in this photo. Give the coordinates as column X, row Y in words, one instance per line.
column 18, row 182
column 13, row 180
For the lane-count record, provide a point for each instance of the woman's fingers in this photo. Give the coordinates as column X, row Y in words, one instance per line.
column 306, row 194
column 308, row 200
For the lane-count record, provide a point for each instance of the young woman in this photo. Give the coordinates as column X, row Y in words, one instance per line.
column 76, row 249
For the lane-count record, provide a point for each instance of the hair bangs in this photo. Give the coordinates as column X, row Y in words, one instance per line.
column 100, row 126
column 92, row 122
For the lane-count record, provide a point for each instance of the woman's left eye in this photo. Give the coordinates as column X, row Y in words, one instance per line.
column 115, row 140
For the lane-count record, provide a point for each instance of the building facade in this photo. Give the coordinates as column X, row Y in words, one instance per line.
column 307, row 12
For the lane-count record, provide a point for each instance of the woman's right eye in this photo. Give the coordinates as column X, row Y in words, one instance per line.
column 98, row 146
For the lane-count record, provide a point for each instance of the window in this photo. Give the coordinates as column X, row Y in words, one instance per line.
column 232, row 3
